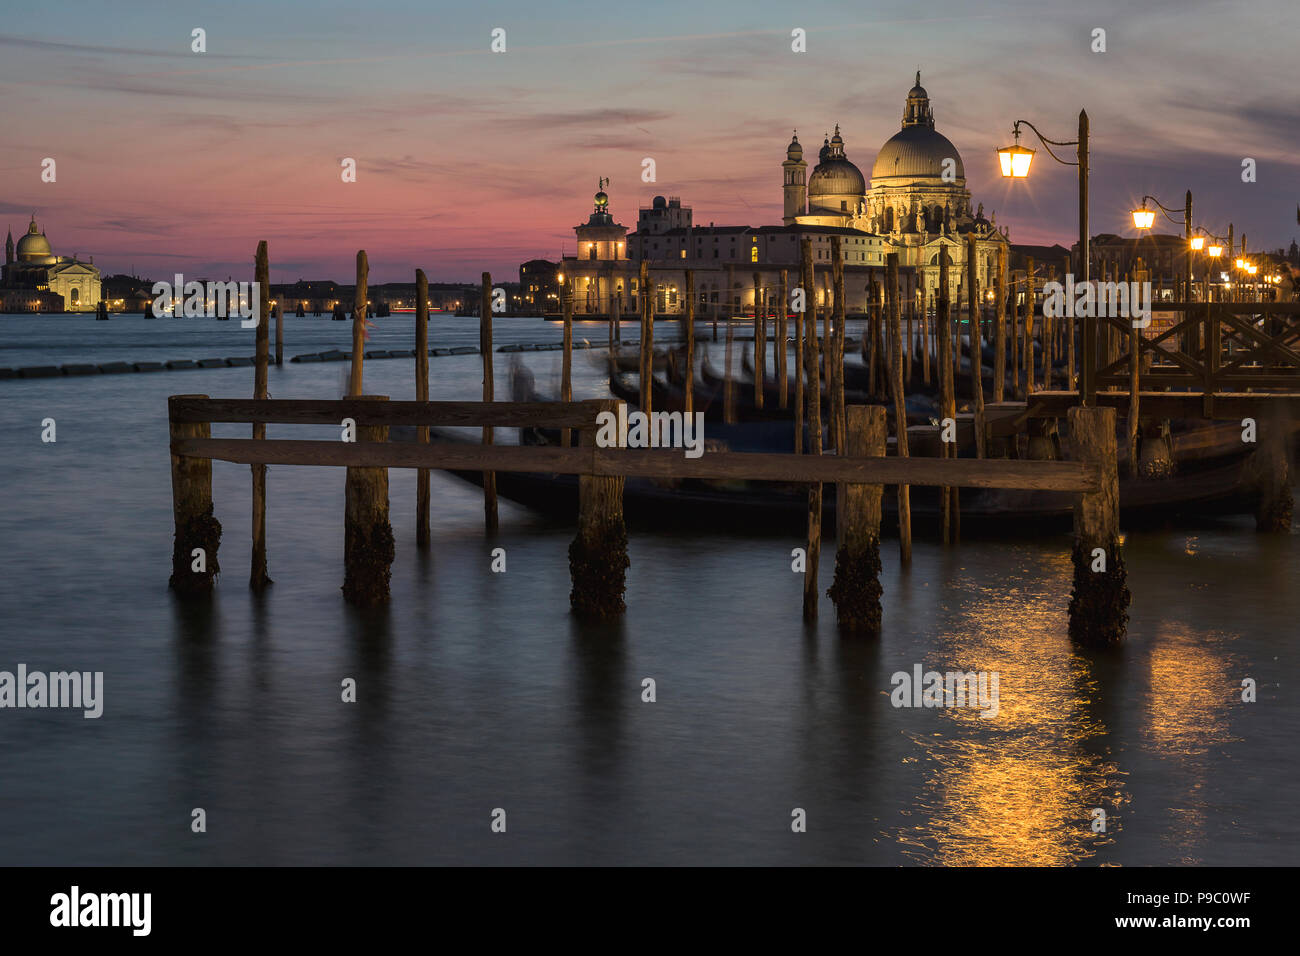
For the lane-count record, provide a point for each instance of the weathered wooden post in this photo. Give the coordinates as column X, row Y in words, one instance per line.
column 368, row 547
column 359, row 324
column 566, row 358
column 646, row 364
column 279, row 333
column 422, row 395
column 798, row 364
column 900, row 408
column 258, row 578
column 689, row 402
column 976, row 341
column 947, row 392
column 728, row 381
column 856, row 588
column 1268, row 469
column 485, row 349
column 1100, row 597
column 1134, row 363
column 760, row 346
column 1030, row 306
column 812, row 371
column 835, row 349
column 1000, row 329
column 598, row 558
column 615, row 316
column 197, row 529
column 926, row 337
column 780, row 346
column 1048, row 333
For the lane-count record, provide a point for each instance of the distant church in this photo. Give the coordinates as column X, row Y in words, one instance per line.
column 33, row 276
column 917, row 204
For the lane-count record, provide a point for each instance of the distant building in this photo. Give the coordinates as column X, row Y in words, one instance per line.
column 31, row 267
column 917, row 205
column 539, row 288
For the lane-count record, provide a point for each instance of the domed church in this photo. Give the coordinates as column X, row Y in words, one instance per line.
column 918, row 198
column 915, row 205
column 31, row 266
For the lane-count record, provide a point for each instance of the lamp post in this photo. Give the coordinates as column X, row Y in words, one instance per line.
column 1143, row 218
column 1015, row 161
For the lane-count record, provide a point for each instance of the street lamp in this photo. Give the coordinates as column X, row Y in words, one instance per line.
column 1015, row 161
column 1143, row 218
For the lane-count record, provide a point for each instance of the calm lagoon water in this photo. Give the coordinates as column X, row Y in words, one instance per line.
column 477, row 690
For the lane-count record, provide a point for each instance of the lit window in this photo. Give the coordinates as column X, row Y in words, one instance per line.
column 753, row 254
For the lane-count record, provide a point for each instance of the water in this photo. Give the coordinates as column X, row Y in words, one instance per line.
column 476, row 690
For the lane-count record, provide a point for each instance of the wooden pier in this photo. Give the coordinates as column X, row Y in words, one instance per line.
column 1220, row 361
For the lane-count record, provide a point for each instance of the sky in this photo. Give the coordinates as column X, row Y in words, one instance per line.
column 169, row 160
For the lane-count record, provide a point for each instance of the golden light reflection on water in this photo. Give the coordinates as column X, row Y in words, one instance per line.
column 1190, row 688
column 1017, row 789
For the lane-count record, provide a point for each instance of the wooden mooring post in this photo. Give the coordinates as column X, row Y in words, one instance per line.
column 814, row 391
column 258, row 578
column 358, row 326
column 760, row 342
column 490, row 519
column 422, row 395
column 688, row 403
column 1000, row 328
column 947, row 394
column 1100, row 597
column 598, row 560
column 900, row 407
column 779, row 346
column 975, row 341
column 566, row 357
column 856, row 588
column 645, row 368
column 798, row 366
column 198, row 532
column 368, row 547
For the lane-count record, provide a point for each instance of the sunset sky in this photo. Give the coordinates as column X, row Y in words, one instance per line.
column 169, row 160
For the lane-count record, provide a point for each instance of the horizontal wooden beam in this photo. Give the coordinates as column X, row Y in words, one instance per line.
column 1226, row 406
column 652, row 463
column 295, row 411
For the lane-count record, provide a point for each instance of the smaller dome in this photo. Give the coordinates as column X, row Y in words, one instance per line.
column 660, row 202
column 795, row 150
column 34, row 247
column 825, row 152
column 918, row 90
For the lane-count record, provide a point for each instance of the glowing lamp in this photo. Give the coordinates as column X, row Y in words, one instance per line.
column 1198, row 243
column 1241, row 263
column 1215, row 251
column 1144, row 218
column 1015, row 160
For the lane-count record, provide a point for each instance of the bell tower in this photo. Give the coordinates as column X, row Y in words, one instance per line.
column 796, row 181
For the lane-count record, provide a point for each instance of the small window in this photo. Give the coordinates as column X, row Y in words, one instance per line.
column 753, row 254
column 684, row 256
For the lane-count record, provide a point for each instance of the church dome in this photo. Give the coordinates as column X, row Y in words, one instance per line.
column 33, row 247
column 834, row 175
column 794, row 151
column 916, row 152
